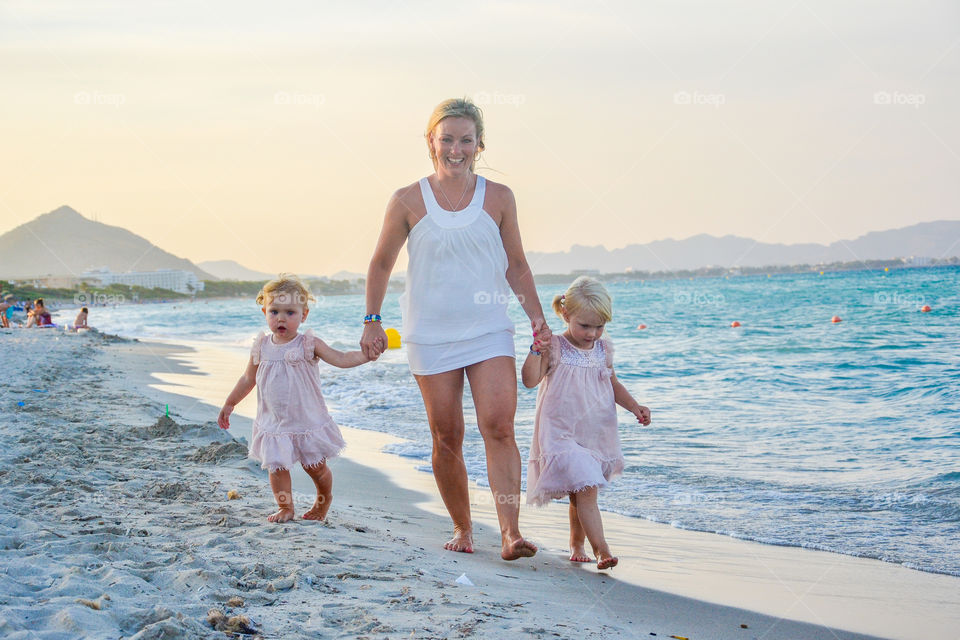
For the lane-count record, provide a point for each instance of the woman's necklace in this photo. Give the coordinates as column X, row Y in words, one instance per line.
column 453, row 209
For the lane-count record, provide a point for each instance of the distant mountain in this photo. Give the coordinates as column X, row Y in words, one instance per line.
column 232, row 270
column 928, row 239
column 63, row 242
column 347, row 275
column 353, row 275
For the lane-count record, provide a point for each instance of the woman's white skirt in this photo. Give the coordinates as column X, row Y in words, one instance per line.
column 429, row 359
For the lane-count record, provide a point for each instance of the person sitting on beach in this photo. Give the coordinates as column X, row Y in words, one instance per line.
column 6, row 310
column 293, row 424
column 39, row 316
column 80, row 322
column 463, row 237
column 576, row 449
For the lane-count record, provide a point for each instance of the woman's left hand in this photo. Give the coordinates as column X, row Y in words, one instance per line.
column 541, row 330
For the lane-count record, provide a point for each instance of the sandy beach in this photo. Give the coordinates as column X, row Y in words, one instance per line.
column 116, row 523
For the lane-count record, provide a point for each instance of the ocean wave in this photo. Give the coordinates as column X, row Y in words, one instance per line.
column 409, row 450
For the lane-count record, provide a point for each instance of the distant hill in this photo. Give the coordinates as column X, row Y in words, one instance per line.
column 232, row 270
column 353, row 275
column 347, row 275
column 927, row 239
column 63, row 242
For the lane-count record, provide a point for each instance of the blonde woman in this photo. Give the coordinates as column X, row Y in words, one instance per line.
column 465, row 255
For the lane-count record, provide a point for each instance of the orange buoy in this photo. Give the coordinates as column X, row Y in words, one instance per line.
column 836, row 319
column 641, row 327
column 925, row 308
column 735, row 323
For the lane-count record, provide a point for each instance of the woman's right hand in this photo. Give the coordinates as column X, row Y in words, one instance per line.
column 374, row 340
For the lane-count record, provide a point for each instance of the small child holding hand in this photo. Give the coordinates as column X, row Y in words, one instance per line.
column 293, row 424
column 576, row 448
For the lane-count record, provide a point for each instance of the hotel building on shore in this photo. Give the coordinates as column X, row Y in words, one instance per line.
column 172, row 279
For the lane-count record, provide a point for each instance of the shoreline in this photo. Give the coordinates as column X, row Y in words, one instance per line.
column 709, row 567
column 886, row 265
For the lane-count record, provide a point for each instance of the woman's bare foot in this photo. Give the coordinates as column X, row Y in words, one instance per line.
column 579, row 554
column 284, row 514
column 318, row 511
column 513, row 549
column 605, row 561
column 461, row 541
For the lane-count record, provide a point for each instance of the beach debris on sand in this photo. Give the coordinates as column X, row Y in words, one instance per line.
column 96, row 605
column 217, row 452
column 233, row 624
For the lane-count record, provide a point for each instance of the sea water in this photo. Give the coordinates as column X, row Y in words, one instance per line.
column 788, row 430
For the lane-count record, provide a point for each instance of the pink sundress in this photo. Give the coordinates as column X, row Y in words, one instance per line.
column 575, row 440
column 293, row 424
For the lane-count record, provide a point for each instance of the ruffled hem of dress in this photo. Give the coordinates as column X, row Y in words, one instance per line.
column 610, row 469
column 276, row 456
column 543, row 498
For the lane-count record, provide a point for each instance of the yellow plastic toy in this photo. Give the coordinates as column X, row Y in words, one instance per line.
column 393, row 338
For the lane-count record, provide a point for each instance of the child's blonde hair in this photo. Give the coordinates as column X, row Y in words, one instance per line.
column 286, row 284
column 585, row 294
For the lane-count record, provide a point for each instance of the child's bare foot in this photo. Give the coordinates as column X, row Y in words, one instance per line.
column 515, row 548
column 318, row 511
column 605, row 561
column 284, row 514
column 461, row 541
column 579, row 554
column 323, row 479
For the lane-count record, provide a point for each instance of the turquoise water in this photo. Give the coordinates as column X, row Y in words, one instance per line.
column 788, row 430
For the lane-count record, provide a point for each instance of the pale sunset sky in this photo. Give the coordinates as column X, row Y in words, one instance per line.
column 274, row 133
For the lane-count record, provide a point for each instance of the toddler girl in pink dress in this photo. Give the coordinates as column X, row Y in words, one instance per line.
column 293, row 424
column 576, row 449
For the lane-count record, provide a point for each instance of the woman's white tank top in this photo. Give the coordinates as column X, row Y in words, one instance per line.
column 456, row 287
